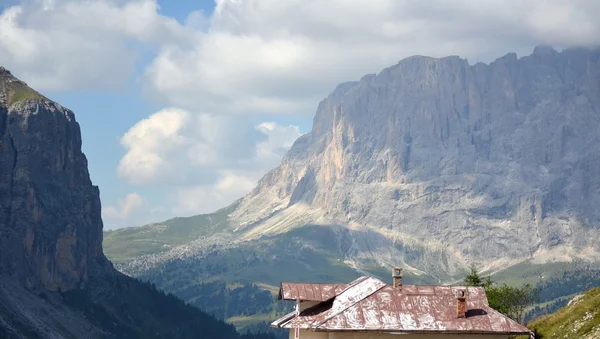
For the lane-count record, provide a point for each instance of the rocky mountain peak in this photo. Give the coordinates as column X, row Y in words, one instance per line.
column 544, row 50
column 440, row 155
column 50, row 224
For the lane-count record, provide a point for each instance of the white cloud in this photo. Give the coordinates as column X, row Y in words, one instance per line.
column 132, row 210
column 282, row 56
column 124, row 208
column 234, row 184
column 269, row 56
column 176, row 147
column 150, row 144
column 207, row 161
column 66, row 45
column 230, row 186
column 280, row 139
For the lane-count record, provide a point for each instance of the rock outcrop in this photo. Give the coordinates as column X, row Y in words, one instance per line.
column 50, row 224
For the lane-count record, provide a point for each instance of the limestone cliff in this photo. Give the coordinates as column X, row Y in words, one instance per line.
column 50, row 225
column 433, row 164
column 486, row 163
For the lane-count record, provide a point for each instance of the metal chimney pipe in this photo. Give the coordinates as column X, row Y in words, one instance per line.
column 397, row 277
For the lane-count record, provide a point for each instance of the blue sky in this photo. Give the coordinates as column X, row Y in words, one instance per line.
column 184, row 105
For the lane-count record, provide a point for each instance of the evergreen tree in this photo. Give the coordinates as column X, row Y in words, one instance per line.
column 508, row 300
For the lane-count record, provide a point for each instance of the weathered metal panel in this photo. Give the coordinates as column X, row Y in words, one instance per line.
column 310, row 292
column 425, row 290
column 443, row 290
column 407, row 289
column 372, row 313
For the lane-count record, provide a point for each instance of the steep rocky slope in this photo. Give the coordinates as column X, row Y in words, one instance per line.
column 489, row 163
column 433, row 164
column 55, row 281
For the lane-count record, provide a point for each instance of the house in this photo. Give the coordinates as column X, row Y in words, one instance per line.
column 369, row 308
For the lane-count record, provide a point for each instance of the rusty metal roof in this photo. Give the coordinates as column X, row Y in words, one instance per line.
column 368, row 304
column 310, row 292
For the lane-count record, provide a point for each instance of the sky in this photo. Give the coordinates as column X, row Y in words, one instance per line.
column 184, row 105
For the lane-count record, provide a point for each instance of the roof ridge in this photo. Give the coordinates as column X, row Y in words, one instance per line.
column 355, row 282
column 362, row 279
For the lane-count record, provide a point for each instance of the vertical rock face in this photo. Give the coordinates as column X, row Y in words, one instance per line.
column 50, row 221
column 487, row 163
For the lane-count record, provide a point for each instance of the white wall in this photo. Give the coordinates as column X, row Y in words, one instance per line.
column 305, row 334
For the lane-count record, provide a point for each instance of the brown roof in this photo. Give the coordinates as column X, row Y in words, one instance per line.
column 309, row 292
column 368, row 304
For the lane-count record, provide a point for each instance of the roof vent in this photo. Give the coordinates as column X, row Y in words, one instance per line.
column 461, row 303
column 397, row 277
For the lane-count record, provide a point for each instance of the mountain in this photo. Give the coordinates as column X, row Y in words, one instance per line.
column 55, row 281
column 442, row 155
column 431, row 164
column 579, row 319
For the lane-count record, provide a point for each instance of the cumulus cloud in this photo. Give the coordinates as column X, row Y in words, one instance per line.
column 176, row 147
column 150, row 144
column 230, row 186
column 124, row 208
column 280, row 139
column 68, row 44
column 269, row 56
column 282, row 56
column 208, row 161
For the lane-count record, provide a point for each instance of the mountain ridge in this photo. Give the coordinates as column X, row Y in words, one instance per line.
column 396, row 160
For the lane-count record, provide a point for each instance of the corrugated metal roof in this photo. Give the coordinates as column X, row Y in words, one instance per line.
column 368, row 304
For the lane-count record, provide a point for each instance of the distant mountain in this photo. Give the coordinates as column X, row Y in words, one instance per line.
column 55, row 281
column 579, row 319
column 432, row 164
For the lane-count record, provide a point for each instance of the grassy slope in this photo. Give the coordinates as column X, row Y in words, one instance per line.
column 581, row 319
column 16, row 91
column 127, row 243
column 21, row 92
column 527, row 272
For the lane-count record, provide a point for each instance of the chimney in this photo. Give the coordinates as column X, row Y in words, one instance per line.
column 461, row 303
column 397, row 277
